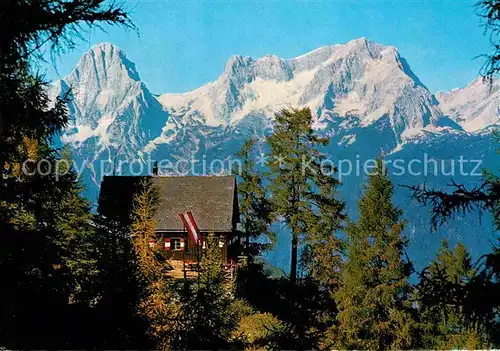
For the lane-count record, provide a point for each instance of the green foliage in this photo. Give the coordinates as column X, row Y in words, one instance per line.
column 118, row 285
column 478, row 299
column 256, row 331
column 301, row 183
column 76, row 242
column 442, row 292
column 272, row 272
column 73, row 280
column 208, row 318
column 295, row 307
column 254, row 206
column 46, row 246
column 373, row 304
column 46, row 233
column 158, row 302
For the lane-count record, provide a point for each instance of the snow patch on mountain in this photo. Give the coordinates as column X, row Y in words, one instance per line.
column 348, row 87
column 360, row 78
column 110, row 106
column 475, row 107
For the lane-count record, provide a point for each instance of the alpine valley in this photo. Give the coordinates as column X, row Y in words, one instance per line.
column 362, row 94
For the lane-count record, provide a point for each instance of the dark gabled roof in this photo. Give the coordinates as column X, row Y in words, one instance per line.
column 212, row 200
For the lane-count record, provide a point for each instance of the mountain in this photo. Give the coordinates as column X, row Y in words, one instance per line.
column 475, row 107
column 111, row 109
column 361, row 81
column 363, row 95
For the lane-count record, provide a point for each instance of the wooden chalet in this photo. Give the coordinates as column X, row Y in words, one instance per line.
column 211, row 199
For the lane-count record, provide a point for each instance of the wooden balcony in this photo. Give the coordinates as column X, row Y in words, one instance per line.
column 189, row 269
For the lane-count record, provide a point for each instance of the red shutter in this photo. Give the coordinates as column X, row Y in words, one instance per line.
column 152, row 243
column 182, row 244
column 167, row 244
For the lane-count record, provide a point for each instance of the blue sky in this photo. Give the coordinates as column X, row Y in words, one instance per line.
column 184, row 44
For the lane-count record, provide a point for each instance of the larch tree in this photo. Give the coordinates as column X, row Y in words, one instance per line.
column 372, row 299
column 159, row 304
column 254, row 204
column 301, row 182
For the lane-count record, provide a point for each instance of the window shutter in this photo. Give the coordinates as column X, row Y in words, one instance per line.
column 167, row 244
column 152, row 243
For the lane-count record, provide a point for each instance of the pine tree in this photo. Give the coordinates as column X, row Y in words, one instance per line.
column 443, row 291
column 254, row 206
column 372, row 299
column 118, row 285
column 74, row 222
column 208, row 318
column 44, row 222
column 483, row 302
column 301, row 182
column 158, row 301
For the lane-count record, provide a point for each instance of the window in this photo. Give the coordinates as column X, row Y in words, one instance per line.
column 175, row 244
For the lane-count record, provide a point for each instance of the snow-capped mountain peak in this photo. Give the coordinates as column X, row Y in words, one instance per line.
column 110, row 106
column 475, row 107
column 108, row 57
column 351, row 86
column 100, row 72
column 360, row 79
column 103, row 79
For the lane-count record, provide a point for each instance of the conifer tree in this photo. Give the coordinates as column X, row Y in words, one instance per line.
column 254, row 205
column 443, row 291
column 489, row 11
column 483, row 302
column 118, row 284
column 208, row 317
column 158, row 302
column 374, row 310
column 46, row 242
column 301, row 182
column 44, row 222
column 484, row 198
column 74, row 222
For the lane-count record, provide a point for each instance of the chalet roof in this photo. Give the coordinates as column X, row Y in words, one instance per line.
column 211, row 199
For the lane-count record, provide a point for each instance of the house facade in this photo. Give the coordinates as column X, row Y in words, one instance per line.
column 212, row 200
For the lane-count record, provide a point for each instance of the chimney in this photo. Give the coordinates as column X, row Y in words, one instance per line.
column 155, row 168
